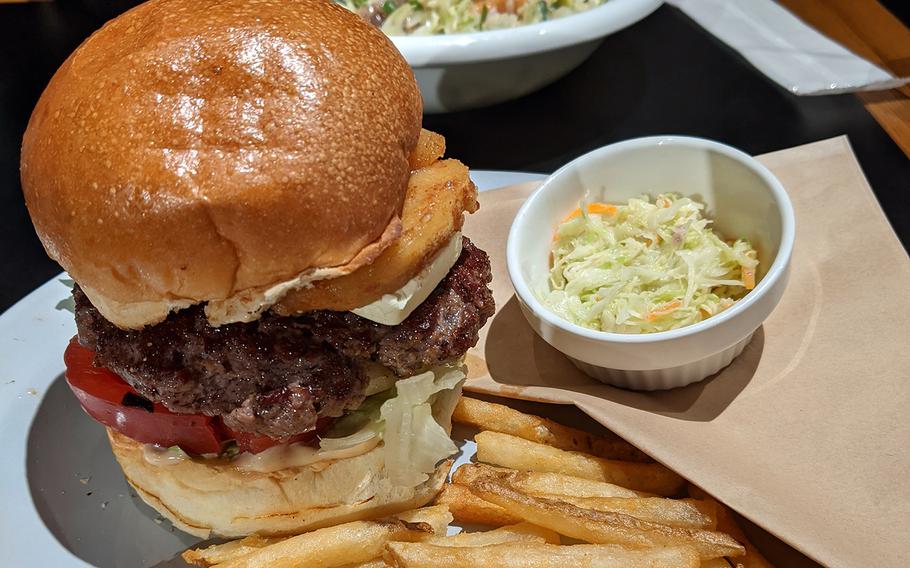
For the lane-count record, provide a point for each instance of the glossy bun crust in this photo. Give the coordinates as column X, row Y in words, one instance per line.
column 191, row 150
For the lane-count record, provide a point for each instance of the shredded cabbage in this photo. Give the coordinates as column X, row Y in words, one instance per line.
column 427, row 17
column 412, row 420
column 644, row 267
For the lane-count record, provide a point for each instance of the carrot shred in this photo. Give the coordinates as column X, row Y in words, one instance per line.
column 663, row 310
column 595, row 208
column 748, row 278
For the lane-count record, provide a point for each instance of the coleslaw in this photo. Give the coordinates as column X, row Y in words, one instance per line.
column 428, row 17
column 645, row 266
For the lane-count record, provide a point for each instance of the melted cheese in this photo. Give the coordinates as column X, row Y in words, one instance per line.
column 272, row 459
column 298, row 455
column 394, row 308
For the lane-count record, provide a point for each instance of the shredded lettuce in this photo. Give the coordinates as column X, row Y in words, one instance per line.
column 358, row 425
column 68, row 303
column 380, row 378
column 231, row 450
column 644, row 267
column 412, row 420
column 428, row 17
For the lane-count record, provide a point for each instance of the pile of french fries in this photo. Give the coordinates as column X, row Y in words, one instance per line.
column 554, row 496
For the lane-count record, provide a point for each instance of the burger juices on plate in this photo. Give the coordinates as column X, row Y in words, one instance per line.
column 273, row 295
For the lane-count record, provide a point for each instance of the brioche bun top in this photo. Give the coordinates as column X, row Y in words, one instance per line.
column 201, row 150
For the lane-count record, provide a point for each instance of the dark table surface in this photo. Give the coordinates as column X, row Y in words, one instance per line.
column 664, row 75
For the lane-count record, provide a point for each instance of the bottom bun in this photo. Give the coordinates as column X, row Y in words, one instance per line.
column 216, row 499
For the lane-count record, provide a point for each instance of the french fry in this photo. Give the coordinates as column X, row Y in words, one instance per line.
column 471, row 509
column 517, row 453
column 603, row 528
column 524, row 532
column 430, row 147
column 437, row 516
column 690, row 513
column 376, row 563
column 753, row 558
column 500, row 418
column 535, row 555
column 686, row 513
column 727, row 523
column 545, row 487
column 721, row 563
column 218, row 553
column 350, row 543
column 545, row 483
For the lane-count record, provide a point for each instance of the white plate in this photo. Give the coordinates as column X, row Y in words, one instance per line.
column 63, row 498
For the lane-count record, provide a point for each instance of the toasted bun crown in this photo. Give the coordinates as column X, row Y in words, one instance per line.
column 193, row 150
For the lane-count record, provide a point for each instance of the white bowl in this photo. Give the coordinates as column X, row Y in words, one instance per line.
column 742, row 197
column 463, row 71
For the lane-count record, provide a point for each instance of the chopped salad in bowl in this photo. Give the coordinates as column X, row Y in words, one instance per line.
column 428, row 17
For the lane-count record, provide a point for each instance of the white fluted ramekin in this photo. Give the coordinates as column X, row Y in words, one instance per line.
column 743, row 198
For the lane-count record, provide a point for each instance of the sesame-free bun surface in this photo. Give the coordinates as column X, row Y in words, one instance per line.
column 194, row 150
column 208, row 500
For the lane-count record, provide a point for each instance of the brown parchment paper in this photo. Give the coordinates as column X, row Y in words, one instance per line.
column 807, row 433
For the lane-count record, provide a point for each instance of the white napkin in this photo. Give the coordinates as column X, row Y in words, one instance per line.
column 785, row 49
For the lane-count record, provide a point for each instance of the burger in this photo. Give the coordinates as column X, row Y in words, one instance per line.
column 273, row 296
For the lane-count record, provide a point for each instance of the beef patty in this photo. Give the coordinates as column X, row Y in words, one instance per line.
column 277, row 376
